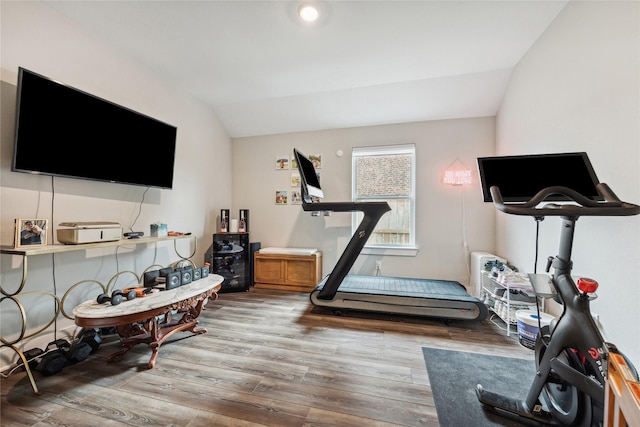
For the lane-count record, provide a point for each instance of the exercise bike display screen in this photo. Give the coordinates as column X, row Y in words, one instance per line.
column 519, row 178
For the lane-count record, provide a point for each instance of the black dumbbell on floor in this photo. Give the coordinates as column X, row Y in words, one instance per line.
column 60, row 353
column 92, row 337
column 33, row 356
column 53, row 360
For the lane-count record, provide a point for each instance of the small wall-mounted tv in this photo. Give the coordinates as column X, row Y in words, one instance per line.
column 63, row 131
column 519, row 178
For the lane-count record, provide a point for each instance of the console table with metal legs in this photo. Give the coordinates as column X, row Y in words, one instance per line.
column 8, row 297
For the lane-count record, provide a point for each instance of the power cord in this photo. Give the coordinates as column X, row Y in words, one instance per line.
column 53, row 260
column 130, row 229
column 139, row 209
column 538, row 220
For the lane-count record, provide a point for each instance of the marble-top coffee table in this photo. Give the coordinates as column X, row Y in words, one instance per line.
column 150, row 319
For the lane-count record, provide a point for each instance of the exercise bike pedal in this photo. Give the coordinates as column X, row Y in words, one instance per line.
column 513, row 406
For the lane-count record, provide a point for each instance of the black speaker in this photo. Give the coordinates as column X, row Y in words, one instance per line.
column 243, row 222
column 165, row 271
column 149, row 278
column 197, row 274
column 186, row 275
column 204, row 271
column 173, row 280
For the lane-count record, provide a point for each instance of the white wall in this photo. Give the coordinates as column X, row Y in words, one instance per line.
column 439, row 211
column 578, row 89
column 36, row 37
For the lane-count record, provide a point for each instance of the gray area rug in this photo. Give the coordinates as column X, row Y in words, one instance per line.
column 454, row 374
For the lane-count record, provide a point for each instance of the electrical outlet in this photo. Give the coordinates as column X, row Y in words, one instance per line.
column 378, row 265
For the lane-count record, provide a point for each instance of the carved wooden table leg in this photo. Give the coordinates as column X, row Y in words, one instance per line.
column 191, row 316
column 188, row 322
column 131, row 335
column 154, row 344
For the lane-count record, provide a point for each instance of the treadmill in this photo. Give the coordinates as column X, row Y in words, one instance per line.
column 340, row 291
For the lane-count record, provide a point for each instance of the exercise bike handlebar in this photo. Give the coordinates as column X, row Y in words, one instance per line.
column 578, row 204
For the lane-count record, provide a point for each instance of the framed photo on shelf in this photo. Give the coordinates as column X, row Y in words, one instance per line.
column 30, row 232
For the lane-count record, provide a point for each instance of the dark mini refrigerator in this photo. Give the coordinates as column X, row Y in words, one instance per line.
column 229, row 256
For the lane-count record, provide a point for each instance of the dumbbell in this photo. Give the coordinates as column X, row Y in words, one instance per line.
column 32, row 356
column 77, row 352
column 53, row 359
column 92, row 337
column 117, row 296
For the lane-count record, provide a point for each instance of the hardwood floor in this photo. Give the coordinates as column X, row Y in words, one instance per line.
column 269, row 358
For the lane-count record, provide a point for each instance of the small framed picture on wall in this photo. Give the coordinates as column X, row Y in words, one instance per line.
column 282, row 162
column 295, row 178
column 30, row 232
column 281, row 197
column 296, row 197
column 316, row 159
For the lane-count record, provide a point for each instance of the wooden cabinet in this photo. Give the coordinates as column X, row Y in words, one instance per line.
column 294, row 272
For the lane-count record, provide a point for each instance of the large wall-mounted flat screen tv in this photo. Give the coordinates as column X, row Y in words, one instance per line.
column 519, row 178
column 63, row 131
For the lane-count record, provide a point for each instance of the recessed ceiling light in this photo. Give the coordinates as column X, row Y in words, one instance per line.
column 308, row 13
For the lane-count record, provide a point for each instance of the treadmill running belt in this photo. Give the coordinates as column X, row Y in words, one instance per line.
column 444, row 299
column 403, row 286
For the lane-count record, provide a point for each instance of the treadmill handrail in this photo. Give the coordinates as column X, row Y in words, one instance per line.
column 373, row 211
column 366, row 207
column 580, row 206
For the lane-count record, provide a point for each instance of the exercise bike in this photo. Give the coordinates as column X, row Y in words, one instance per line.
column 570, row 354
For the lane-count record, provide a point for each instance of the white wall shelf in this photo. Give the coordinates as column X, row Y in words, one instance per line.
column 49, row 249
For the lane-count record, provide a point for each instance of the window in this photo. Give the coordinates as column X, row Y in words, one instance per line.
column 387, row 173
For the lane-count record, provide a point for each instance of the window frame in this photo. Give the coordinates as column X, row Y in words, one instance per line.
column 410, row 248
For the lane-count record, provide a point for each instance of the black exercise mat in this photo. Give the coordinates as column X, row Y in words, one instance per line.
column 454, row 375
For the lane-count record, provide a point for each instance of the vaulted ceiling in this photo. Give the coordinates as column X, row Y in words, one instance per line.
column 361, row 63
